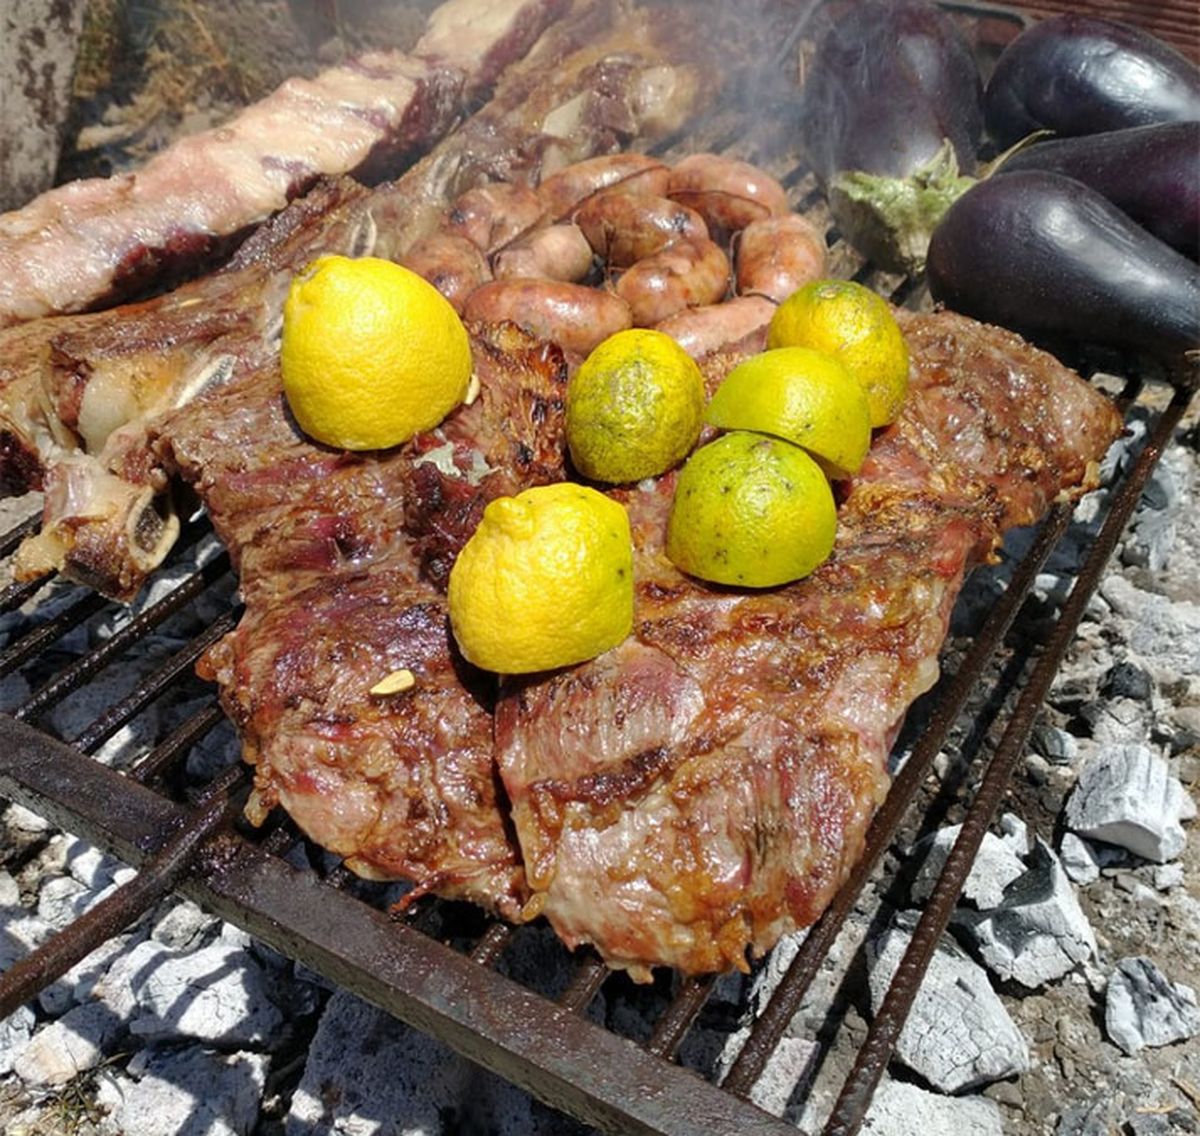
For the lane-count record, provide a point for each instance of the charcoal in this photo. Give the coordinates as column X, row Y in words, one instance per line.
column 901, row 1109
column 1089, row 1118
column 217, row 994
column 996, row 866
column 1127, row 680
column 1144, row 1007
column 1126, row 796
column 958, row 1035
column 15, row 1031
column 1037, row 933
column 1082, row 860
column 73, row 1044
column 186, row 1092
column 1055, row 745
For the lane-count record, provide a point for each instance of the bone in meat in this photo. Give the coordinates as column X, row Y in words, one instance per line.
column 706, row 787
column 159, row 354
column 101, row 238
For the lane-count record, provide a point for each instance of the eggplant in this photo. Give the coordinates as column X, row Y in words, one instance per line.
column 891, row 121
column 1076, row 74
column 1152, row 173
column 1050, row 258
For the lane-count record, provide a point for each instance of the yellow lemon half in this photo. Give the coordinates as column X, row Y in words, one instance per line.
column 634, row 408
column 545, row 581
column 856, row 326
column 752, row 511
column 801, row 396
column 372, row 354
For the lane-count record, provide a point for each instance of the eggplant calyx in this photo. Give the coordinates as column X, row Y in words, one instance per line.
column 891, row 219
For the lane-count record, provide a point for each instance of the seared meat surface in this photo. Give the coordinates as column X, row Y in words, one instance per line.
column 705, row 787
column 329, row 549
column 77, row 392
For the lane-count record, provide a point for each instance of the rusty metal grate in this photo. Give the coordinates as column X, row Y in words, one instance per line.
column 190, row 838
column 198, row 848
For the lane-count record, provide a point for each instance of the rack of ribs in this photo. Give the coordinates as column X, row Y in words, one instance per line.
column 90, row 241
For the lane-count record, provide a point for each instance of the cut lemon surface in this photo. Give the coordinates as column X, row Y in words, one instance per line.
column 802, row 396
column 751, row 511
column 545, row 581
column 634, row 407
column 855, row 326
column 371, row 355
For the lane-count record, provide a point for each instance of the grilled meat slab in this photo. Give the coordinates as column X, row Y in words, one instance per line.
column 335, row 554
column 84, row 242
column 78, row 401
column 705, row 787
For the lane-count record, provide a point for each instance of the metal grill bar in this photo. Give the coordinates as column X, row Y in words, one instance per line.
column 561, row 1057
column 873, row 1056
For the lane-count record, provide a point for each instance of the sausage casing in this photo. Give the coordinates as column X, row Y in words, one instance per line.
column 574, row 316
column 686, row 274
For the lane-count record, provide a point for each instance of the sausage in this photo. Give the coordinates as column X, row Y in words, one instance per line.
column 624, row 228
column 562, row 192
column 776, row 256
column 686, row 274
column 556, row 252
column 574, row 316
column 701, row 331
column 490, row 216
column 452, row 264
column 727, row 192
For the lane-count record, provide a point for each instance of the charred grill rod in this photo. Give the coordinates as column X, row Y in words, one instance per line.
column 157, row 878
column 884, row 1031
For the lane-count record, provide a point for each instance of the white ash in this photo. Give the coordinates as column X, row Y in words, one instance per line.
column 188, row 1092
column 1082, row 859
column 1037, row 932
column 367, row 1074
column 902, row 1109
column 958, row 1035
column 1127, row 796
column 1145, row 1008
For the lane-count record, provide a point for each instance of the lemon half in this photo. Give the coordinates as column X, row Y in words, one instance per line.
column 545, row 581
column 634, row 407
column 801, row 396
column 752, row 511
column 856, row 326
column 372, row 353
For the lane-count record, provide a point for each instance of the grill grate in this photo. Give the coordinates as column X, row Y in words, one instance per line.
column 543, row 1045
column 438, row 967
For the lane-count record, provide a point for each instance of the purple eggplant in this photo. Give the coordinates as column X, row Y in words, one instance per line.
column 1150, row 172
column 891, row 119
column 1051, row 258
column 1076, row 74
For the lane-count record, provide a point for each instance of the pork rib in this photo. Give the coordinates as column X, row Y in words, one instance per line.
column 705, row 787
column 89, row 241
column 588, row 87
